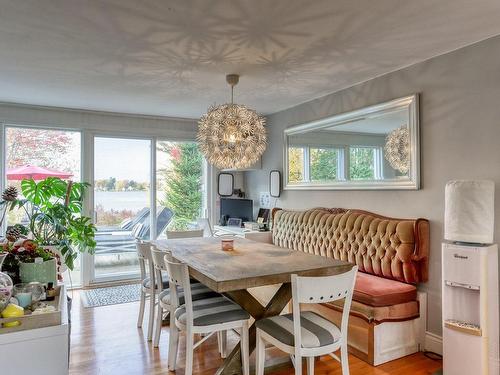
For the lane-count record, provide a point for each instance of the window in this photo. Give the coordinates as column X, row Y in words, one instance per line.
column 323, row 164
column 56, row 150
column 296, row 156
column 181, row 187
column 362, row 163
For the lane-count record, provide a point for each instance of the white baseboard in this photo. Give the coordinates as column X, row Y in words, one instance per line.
column 433, row 343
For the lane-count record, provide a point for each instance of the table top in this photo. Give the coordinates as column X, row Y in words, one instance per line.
column 249, row 265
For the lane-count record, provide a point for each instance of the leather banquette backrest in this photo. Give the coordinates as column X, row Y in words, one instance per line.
column 392, row 248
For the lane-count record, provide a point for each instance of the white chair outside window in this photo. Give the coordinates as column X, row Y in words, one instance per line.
column 204, row 316
column 164, row 306
column 306, row 334
column 208, row 231
column 192, row 233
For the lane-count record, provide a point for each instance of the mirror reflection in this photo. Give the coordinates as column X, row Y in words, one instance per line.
column 373, row 147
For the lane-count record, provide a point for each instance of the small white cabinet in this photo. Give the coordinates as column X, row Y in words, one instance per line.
column 470, row 310
column 41, row 351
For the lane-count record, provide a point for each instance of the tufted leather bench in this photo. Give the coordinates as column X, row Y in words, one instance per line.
column 392, row 256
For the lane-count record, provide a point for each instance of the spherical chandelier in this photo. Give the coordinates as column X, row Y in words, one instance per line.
column 397, row 149
column 232, row 136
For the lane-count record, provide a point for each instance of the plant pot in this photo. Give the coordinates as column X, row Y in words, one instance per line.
column 45, row 272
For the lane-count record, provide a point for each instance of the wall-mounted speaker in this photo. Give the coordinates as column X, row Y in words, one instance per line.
column 275, row 183
column 469, row 211
column 225, row 184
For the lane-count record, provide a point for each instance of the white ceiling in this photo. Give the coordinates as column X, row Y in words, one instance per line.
column 161, row 57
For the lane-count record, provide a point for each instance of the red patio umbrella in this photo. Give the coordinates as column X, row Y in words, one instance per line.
column 36, row 173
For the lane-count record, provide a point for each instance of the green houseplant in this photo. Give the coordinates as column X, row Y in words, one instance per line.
column 54, row 207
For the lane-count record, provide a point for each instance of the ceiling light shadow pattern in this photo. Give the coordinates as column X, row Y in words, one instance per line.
column 289, row 51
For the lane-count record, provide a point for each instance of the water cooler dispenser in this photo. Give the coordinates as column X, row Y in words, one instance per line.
column 470, row 281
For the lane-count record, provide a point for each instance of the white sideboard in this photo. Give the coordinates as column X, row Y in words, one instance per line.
column 42, row 351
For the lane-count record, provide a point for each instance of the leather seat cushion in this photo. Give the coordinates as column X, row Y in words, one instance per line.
column 376, row 291
column 393, row 313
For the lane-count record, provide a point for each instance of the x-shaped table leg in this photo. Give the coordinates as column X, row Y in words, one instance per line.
column 232, row 364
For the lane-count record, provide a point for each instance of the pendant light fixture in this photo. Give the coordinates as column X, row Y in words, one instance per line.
column 232, row 136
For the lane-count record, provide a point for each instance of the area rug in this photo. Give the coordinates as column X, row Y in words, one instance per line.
column 110, row 296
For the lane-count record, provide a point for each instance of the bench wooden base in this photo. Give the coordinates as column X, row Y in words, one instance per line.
column 379, row 343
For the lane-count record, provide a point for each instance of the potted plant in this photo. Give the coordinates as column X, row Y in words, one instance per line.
column 53, row 208
column 27, row 261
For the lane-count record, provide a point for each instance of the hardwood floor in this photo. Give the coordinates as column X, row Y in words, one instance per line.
column 105, row 340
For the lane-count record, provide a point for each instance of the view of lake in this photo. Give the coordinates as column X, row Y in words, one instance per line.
column 122, row 200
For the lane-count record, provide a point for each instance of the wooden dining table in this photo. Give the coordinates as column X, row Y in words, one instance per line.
column 251, row 264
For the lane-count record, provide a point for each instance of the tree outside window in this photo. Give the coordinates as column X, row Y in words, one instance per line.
column 361, row 163
column 181, row 182
column 323, row 164
column 296, row 164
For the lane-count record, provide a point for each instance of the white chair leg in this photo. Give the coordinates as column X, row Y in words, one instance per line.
column 142, row 304
column 159, row 321
column 344, row 359
column 219, row 341
column 173, row 343
column 245, row 350
column 151, row 315
column 189, row 353
column 260, row 355
column 223, row 344
column 310, row 365
column 298, row 364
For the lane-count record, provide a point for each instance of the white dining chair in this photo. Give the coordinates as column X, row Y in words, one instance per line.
column 307, row 334
column 198, row 291
column 149, row 285
column 205, row 316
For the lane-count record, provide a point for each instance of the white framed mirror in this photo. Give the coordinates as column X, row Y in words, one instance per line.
column 375, row 147
column 225, row 184
column 275, row 183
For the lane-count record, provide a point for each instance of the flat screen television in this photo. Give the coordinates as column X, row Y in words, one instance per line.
column 236, row 208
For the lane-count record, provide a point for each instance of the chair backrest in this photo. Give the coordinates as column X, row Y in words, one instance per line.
column 145, row 260
column 158, row 258
column 159, row 265
column 172, row 234
column 322, row 289
column 178, row 276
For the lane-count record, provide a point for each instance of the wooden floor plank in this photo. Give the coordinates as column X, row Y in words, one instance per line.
column 106, row 341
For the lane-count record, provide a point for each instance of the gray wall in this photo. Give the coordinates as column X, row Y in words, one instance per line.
column 460, row 139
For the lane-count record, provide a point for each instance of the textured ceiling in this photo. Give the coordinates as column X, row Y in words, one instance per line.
column 170, row 57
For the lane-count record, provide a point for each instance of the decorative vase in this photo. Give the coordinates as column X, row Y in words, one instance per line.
column 6, row 285
column 45, row 272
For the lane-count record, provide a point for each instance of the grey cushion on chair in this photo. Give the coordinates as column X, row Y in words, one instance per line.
column 146, row 283
column 213, row 310
column 198, row 291
column 316, row 330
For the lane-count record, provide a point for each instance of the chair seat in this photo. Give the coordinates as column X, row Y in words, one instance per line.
column 376, row 291
column 146, row 283
column 316, row 330
column 198, row 291
column 214, row 310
